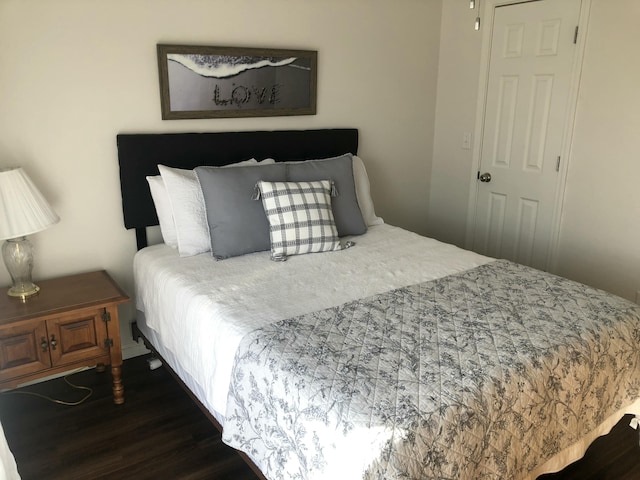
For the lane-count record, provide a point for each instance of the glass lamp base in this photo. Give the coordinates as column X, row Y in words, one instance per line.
column 17, row 254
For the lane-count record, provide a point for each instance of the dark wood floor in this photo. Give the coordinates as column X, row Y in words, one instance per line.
column 159, row 433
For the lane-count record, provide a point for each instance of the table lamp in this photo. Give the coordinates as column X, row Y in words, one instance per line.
column 23, row 211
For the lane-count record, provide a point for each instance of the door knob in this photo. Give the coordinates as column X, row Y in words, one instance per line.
column 485, row 177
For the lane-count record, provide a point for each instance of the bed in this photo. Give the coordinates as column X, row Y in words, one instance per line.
column 388, row 354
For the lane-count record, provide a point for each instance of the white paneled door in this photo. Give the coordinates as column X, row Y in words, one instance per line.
column 533, row 55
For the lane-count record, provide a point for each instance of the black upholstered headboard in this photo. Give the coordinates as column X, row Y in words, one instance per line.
column 140, row 154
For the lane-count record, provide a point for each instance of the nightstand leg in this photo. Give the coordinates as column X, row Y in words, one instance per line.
column 118, row 387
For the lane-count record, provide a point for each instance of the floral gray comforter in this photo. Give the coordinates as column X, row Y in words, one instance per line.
column 478, row 375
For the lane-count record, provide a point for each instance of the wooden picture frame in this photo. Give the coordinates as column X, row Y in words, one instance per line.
column 223, row 82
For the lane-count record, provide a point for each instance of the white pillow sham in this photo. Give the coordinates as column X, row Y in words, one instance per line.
column 187, row 206
column 163, row 210
column 363, row 193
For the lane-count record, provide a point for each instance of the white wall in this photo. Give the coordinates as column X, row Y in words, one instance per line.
column 600, row 234
column 74, row 73
column 458, row 72
column 600, row 228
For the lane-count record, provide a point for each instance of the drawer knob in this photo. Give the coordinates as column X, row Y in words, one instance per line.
column 43, row 344
column 53, row 342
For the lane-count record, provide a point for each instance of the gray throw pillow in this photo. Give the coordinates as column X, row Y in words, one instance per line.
column 237, row 224
column 346, row 210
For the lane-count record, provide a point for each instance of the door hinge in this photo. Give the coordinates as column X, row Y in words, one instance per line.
column 558, row 164
column 106, row 317
column 108, row 342
column 575, row 35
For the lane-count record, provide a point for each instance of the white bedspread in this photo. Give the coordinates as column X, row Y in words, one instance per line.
column 221, row 301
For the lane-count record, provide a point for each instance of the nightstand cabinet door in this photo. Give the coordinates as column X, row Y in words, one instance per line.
column 23, row 349
column 77, row 336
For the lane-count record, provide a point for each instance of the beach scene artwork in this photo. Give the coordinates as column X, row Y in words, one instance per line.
column 225, row 84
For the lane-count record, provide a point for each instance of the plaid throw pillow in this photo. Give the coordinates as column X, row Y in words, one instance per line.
column 300, row 217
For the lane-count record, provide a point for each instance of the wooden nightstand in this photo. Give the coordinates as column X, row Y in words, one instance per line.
column 72, row 322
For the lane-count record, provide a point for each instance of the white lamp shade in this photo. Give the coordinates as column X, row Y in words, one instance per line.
column 23, row 209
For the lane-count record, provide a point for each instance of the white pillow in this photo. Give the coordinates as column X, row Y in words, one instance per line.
column 187, row 208
column 187, row 205
column 163, row 209
column 363, row 193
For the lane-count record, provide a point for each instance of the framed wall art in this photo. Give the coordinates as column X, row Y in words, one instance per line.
column 214, row 82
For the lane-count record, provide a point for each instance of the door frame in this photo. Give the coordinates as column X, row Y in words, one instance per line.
column 486, row 30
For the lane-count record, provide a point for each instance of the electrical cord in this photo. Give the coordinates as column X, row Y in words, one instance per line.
column 55, row 400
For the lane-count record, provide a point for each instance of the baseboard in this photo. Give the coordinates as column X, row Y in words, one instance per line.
column 133, row 349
